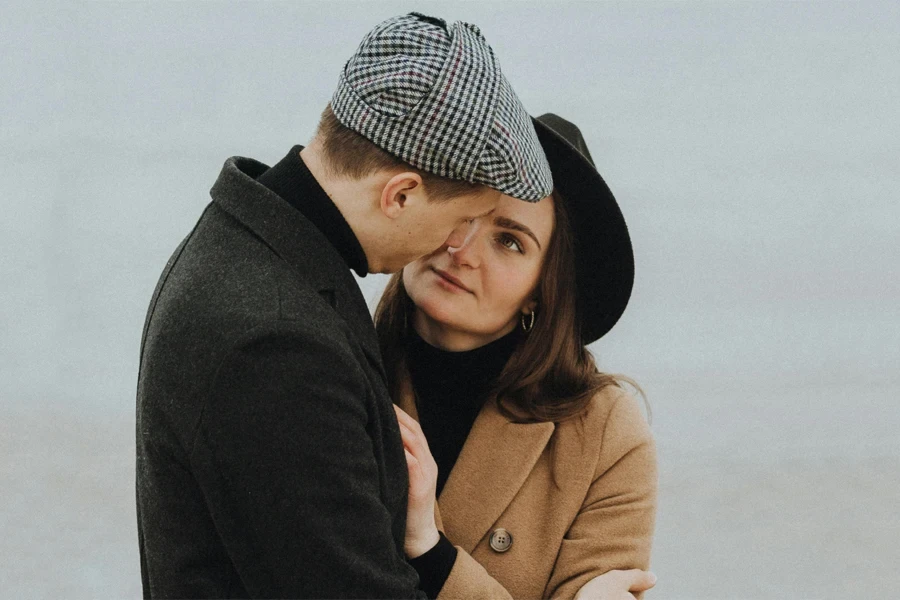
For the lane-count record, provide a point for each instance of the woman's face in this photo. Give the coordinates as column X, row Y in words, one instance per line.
column 473, row 293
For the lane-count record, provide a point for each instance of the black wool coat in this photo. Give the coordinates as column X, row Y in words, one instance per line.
column 269, row 459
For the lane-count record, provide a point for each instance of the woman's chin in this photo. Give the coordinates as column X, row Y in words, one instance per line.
column 439, row 314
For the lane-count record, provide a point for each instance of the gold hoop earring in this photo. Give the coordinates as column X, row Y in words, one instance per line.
column 530, row 325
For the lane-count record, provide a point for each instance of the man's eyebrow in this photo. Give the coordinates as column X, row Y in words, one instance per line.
column 507, row 223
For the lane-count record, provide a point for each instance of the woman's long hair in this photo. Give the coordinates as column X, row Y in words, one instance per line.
column 551, row 375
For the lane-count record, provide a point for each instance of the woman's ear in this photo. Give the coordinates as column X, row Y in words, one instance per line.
column 529, row 307
column 396, row 192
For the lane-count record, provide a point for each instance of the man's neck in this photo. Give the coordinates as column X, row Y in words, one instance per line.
column 312, row 158
column 292, row 180
column 348, row 196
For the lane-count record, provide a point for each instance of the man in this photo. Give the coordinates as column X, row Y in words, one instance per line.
column 269, row 460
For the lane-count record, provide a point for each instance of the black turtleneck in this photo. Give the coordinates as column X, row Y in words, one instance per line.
column 450, row 389
column 291, row 179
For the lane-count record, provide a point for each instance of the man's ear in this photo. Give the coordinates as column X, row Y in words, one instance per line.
column 397, row 192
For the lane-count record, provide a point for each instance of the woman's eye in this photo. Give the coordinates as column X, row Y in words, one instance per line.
column 511, row 243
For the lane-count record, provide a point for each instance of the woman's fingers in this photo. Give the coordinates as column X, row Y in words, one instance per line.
column 638, row 580
column 412, row 435
column 407, row 434
column 412, row 442
column 404, row 419
column 414, row 445
column 419, row 461
column 411, row 462
column 617, row 584
column 421, row 484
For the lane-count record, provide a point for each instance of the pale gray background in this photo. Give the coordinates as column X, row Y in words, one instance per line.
column 754, row 148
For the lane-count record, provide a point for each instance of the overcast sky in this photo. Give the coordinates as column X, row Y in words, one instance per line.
column 753, row 147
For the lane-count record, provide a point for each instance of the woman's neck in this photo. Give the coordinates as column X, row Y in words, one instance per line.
column 451, row 339
column 443, row 375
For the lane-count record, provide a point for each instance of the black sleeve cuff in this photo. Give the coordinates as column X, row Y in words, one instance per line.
column 434, row 566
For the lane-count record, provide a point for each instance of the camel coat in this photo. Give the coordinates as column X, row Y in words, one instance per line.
column 597, row 515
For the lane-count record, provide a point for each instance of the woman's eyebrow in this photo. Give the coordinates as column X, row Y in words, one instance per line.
column 507, row 223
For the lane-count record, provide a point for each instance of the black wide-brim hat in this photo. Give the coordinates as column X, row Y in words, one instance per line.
column 604, row 260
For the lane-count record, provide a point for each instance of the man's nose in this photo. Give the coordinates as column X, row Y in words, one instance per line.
column 457, row 237
column 464, row 250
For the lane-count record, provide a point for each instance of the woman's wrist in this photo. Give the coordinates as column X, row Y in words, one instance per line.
column 435, row 565
column 417, row 547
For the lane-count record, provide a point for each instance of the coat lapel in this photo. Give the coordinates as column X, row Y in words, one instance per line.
column 296, row 240
column 495, row 461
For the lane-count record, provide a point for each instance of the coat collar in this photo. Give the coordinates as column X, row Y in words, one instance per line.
column 494, row 463
column 290, row 235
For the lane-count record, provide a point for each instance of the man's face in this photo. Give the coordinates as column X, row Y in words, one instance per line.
column 433, row 223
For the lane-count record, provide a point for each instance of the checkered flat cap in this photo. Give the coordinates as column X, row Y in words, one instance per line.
column 433, row 95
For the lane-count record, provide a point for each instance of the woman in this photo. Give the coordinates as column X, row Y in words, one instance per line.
column 545, row 469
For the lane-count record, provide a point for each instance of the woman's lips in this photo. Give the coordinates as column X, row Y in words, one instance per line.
column 451, row 281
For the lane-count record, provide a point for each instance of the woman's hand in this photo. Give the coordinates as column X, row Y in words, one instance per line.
column 421, row 531
column 617, row 585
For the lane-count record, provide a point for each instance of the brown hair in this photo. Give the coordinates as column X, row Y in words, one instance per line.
column 551, row 375
column 349, row 154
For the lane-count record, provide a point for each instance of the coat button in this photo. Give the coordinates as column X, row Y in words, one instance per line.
column 501, row 540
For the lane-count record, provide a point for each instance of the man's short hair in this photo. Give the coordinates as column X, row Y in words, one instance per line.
column 349, row 154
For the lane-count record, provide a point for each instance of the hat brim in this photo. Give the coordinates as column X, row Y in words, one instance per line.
column 604, row 259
